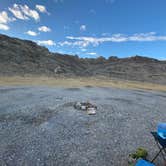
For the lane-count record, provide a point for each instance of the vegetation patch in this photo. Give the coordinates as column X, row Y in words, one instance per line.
column 139, row 153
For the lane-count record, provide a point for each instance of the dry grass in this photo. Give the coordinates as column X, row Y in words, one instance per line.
column 77, row 82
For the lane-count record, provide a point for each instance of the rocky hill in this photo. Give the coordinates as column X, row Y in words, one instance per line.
column 20, row 57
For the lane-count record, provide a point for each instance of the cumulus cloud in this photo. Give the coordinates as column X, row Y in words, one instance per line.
column 31, row 33
column 4, row 18
column 46, row 42
column 30, row 13
column 41, row 9
column 16, row 11
column 44, row 29
column 23, row 12
column 83, row 28
column 4, row 27
column 85, row 41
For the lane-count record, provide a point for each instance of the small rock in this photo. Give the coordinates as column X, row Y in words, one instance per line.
column 91, row 111
column 77, row 105
column 83, row 107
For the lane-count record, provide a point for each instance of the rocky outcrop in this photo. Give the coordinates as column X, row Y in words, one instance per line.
column 20, row 57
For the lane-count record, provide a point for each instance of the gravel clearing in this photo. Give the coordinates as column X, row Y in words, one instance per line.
column 40, row 127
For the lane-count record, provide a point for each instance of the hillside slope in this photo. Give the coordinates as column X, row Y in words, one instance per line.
column 20, row 57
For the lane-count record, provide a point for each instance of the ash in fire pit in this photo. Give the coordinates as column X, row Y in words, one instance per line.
column 86, row 106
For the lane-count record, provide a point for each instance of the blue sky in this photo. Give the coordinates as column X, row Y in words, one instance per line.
column 89, row 28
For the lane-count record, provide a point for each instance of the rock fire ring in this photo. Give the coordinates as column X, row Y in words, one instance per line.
column 86, row 106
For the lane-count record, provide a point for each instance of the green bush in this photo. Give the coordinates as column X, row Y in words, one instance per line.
column 140, row 153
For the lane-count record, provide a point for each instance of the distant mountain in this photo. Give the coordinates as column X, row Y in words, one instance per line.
column 21, row 57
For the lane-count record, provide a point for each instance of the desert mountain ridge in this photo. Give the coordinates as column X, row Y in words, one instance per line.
column 21, row 57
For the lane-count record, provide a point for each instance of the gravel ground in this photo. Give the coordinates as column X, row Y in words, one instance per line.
column 40, row 127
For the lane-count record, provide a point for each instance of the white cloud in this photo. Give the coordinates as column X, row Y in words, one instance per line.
column 31, row 33
column 85, row 41
column 16, row 11
column 66, row 43
column 91, row 53
column 23, row 12
column 41, row 9
column 4, row 18
column 29, row 12
column 46, row 42
column 83, row 28
column 83, row 50
column 4, row 27
column 80, row 44
column 44, row 29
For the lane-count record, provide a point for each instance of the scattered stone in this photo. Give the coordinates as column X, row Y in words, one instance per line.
column 83, row 107
column 77, row 105
column 91, row 111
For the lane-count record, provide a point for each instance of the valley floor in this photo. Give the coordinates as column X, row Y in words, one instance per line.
column 77, row 82
column 39, row 126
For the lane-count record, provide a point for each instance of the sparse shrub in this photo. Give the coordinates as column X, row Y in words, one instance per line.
column 140, row 153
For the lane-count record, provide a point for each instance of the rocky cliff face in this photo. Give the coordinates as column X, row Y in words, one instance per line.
column 26, row 57
column 20, row 57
